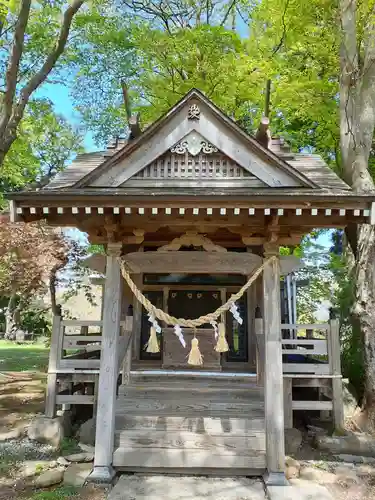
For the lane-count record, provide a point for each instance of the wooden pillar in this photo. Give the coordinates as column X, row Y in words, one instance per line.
column 335, row 368
column 137, row 318
column 126, row 366
column 259, row 332
column 54, row 357
column 105, row 417
column 273, row 376
column 288, row 403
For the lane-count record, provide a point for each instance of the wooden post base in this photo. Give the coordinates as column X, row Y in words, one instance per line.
column 275, row 479
column 102, row 475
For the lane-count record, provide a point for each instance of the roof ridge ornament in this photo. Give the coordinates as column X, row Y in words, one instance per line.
column 194, row 113
column 193, row 143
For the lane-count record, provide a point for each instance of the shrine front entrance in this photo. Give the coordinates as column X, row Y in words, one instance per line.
column 192, row 296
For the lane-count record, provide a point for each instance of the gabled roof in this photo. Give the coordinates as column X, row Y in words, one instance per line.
column 212, row 125
column 275, row 169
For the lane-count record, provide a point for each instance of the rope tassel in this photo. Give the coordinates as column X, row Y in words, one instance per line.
column 195, row 356
column 222, row 344
column 152, row 344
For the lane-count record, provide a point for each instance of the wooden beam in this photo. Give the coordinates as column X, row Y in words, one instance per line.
column 273, row 379
column 105, row 420
column 54, row 356
column 288, row 401
column 335, row 364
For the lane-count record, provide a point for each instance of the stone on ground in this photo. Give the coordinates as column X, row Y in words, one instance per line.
column 346, row 476
column 62, row 461
column 293, row 440
column 299, row 490
column 86, row 432
column 13, row 434
column 86, row 447
column 80, row 457
column 77, row 474
column 46, row 430
column 292, row 468
column 353, row 444
column 142, row 487
column 317, row 475
column 49, row 478
column 30, row 468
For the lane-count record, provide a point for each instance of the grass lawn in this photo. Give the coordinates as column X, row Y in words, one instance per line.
column 23, row 357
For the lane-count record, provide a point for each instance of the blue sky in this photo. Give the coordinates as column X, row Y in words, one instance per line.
column 59, row 95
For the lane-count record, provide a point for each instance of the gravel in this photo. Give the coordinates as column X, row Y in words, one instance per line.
column 16, row 450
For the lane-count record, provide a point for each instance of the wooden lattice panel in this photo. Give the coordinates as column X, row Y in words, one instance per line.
column 201, row 166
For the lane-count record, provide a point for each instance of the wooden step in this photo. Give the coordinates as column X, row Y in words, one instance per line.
column 202, row 462
column 179, row 376
column 190, row 424
column 203, row 425
column 186, row 440
column 213, row 393
column 197, row 407
column 194, row 385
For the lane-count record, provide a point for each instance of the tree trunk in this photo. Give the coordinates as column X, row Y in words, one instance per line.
column 364, row 312
column 357, row 123
column 11, row 319
column 55, row 308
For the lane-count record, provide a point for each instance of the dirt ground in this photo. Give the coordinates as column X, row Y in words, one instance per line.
column 21, row 397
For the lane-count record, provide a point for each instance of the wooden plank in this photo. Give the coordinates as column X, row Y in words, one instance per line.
column 192, row 262
column 312, row 405
column 193, row 387
column 200, row 262
column 335, row 364
column 176, row 406
column 310, row 382
column 205, row 425
column 82, row 338
column 79, row 363
column 137, row 318
column 75, row 399
column 192, row 396
column 312, row 326
column 273, row 379
column 243, row 445
column 77, row 342
column 260, row 343
column 319, row 347
column 310, row 375
column 146, row 459
column 288, row 400
column 316, row 368
column 109, row 363
column 175, row 355
column 53, row 365
column 76, row 322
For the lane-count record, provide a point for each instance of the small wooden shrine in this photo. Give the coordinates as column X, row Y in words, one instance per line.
column 191, row 213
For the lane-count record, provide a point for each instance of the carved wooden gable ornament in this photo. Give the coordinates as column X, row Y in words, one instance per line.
column 194, row 144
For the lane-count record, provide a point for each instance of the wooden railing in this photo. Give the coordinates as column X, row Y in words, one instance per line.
column 76, row 350
column 311, row 350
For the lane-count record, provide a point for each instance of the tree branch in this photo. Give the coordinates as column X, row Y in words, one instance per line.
column 282, row 39
column 14, row 64
column 47, row 67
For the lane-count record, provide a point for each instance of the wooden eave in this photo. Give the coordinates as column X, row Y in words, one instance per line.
column 276, row 197
column 253, row 144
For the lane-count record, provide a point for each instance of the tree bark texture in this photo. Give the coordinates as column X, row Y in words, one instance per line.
column 357, row 122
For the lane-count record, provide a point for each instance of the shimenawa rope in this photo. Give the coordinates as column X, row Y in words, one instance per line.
column 195, row 357
column 189, row 323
